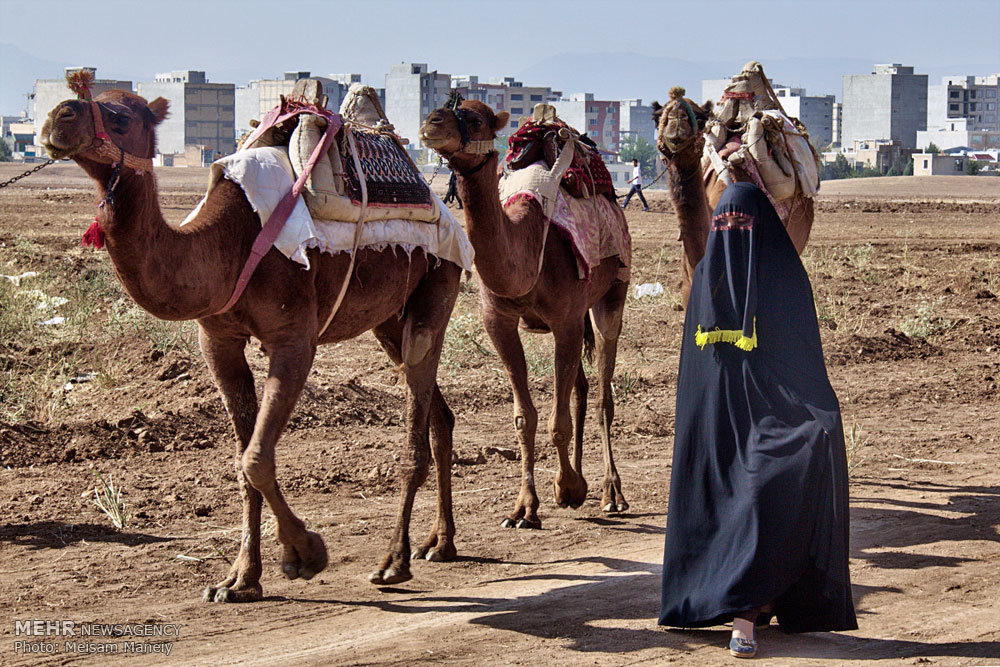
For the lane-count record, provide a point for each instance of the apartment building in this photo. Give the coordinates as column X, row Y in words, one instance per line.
column 636, row 120
column 201, row 113
column 888, row 104
column 599, row 119
column 50, row 92
column 963, row 111
column 411, row 92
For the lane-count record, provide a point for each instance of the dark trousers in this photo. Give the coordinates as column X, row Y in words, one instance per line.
column 636, row 190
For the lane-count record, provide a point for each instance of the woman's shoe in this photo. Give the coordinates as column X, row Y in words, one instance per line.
column 741, row 647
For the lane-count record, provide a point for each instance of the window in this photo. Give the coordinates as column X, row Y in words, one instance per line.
column 991, row 106
column 513, row 123
column 593, row 121
column 925, row 162
column 517, row 110
column 954, row 94
column 517, row 96
column 991, row 93
column 536, row 98
column 952, row 107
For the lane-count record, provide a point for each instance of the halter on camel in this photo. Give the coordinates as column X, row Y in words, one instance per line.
column 79, row 82
column 677, row 95
column 470, row 146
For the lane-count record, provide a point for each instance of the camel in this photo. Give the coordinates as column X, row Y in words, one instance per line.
column 190, row 273
column 695, row 194
column 509, row 243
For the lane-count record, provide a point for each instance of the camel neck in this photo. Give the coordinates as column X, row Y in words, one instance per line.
column 171, row 273
column 687, row 190
column 507, row 242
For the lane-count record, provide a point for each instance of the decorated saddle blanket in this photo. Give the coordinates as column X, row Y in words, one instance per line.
column 534, row 140
column 595, row 226
column 265, row 175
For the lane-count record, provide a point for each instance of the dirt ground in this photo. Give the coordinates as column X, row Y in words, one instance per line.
column 906, row 273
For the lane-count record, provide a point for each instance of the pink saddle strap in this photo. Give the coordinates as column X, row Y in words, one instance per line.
column 270, row 229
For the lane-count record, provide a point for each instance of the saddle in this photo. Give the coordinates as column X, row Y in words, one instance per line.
column 750, row 124
column 543, row 137
column 366, row 163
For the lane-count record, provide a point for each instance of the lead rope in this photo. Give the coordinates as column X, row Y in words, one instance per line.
column 358, row 229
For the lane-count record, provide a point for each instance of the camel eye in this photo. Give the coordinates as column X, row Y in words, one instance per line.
column 119, row 122
column 475, row 122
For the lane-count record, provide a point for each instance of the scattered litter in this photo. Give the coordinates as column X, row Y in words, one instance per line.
column 16, row 280
column 58, row 319
column 51, row 302
column 648, row 289
column 80, row 379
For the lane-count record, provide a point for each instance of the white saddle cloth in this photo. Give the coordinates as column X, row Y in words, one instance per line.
column 265, row 175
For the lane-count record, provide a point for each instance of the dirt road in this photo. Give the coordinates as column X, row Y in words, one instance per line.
column 906, row 286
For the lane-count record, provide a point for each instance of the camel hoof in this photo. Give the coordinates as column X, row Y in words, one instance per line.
column 524, row 523
column 291, row 570
column 226, row 594
column 419, row 554
column 609, row 508
column 623, row 506
column 389, row 576
column 508, row 522
column 306, row 573
column 308, row 562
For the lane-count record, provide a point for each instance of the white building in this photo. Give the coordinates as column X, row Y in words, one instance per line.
column 963, row 111
column 636, row 120
column 888, row 104
column 412, row 92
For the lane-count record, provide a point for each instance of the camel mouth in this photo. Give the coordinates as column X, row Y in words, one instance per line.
column 431, row 141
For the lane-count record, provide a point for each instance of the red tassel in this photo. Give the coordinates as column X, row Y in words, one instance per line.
column 94, row 236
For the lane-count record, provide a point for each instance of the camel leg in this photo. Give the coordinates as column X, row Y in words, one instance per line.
column 427, row 314
column 580, row 391
column 304, row 554
column 439, row 545
column 503, row 332
column 569, row 485
column 228, row 365
column 607, row 319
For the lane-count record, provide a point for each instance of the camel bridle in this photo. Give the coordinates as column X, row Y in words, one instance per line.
column 469, row 146
column 676, row 147
column 106, row 147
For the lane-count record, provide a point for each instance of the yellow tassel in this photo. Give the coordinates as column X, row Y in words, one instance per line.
column 734, row 336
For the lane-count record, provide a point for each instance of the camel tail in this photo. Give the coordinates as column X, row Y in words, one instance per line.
column 588, row 339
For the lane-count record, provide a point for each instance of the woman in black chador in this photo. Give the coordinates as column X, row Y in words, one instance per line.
column 758, row 516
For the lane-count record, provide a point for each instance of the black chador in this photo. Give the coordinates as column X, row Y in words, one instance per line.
column 758, row 489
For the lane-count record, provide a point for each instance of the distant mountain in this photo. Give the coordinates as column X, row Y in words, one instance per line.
column 627, row 75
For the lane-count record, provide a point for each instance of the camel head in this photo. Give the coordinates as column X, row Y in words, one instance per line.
column 462, row 134
column 679, row 124
column 71, row 131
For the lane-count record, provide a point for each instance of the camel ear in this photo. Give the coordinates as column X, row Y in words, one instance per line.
column 158, row 108
column 501, row 121
column 708, row 106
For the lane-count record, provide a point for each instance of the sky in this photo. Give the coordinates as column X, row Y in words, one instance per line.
column 251, row 38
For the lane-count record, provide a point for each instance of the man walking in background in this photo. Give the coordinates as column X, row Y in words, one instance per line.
column 636, row 182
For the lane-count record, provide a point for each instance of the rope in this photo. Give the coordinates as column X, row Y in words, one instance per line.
column 358, row 229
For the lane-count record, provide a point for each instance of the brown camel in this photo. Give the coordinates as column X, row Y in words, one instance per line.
column 190, row 273
column 695, row 194
column 509, row 242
